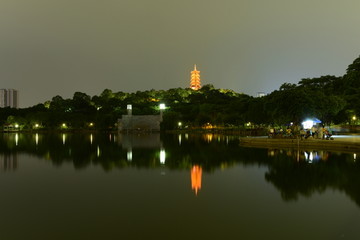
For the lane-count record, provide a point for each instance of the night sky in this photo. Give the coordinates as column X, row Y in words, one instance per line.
column 58, row 47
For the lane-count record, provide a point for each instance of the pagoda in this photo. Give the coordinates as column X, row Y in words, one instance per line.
column 195, row 83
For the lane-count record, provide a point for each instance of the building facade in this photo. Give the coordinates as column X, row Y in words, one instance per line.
column 9, row 98
column 142, row 123
column 195, row 82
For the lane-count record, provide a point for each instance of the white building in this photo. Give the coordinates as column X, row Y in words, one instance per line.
column 9, row 98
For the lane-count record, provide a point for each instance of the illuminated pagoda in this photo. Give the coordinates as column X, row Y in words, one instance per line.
column 195, row 83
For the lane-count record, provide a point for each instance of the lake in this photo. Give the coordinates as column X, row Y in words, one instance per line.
column 175, row 186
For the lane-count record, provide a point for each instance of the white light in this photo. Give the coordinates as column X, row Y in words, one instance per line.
column 129, row 155
column 129, row 107
column 36, row 139
column 308, row 124
column 162, row 106
column 16, row 139
column 64, row 139
column 162, row 156
column 91, row 138
column 179, row 139
column 16, row 125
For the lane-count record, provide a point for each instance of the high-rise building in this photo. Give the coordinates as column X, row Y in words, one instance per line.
column 195, row 79
column 9, row 98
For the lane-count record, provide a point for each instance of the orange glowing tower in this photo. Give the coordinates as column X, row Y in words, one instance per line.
column 195, row 79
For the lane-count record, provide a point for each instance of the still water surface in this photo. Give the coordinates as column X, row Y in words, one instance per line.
column 110, row 186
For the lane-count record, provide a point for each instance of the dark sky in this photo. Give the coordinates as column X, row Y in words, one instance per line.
column 58, row 47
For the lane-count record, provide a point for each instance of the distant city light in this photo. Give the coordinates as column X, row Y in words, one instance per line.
column 91, row 124
column 162, row 106
column 36, row 125
column 16, row 125
column 354, row 118
column 64, row 125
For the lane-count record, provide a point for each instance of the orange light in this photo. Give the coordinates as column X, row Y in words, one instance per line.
column 196, row 174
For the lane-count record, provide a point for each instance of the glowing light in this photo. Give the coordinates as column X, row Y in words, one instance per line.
column 16, row 139
column 63, row 125
column 308, row 124
column 196, row 174
column 208, row 137
column 179, row 124
column 91, row 124
column 64, row 139
column 354, row 118
column 36, row 139
column 129, row 155
column 195, row 82
column 91, row 139
column 162, row 106
column 179, row 139
column 162, row 156
column 129, row 107
column 98, row 151
column 16, row 125
column 354, row 157
column 36, row 125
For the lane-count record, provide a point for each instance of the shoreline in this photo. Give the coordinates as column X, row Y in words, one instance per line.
column 339, row 143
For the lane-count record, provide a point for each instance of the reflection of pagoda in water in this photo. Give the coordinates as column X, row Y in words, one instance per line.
column 8, row 162
column 196, row 172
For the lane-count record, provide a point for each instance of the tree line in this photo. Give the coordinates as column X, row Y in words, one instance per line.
column 331, row 99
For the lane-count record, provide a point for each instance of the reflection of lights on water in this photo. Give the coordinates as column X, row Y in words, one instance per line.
column 129, row 155
column 354, row 157
column 162, row 156
column 91, row 139
column 179, row 139
column 196, row 174
column 36, row 139
column 186, row 136
column 208, row 137
column 64, row 138
column 110, row 137
column 98, row 151
column 114, row 138
column 16, row 139
column 309, row 156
